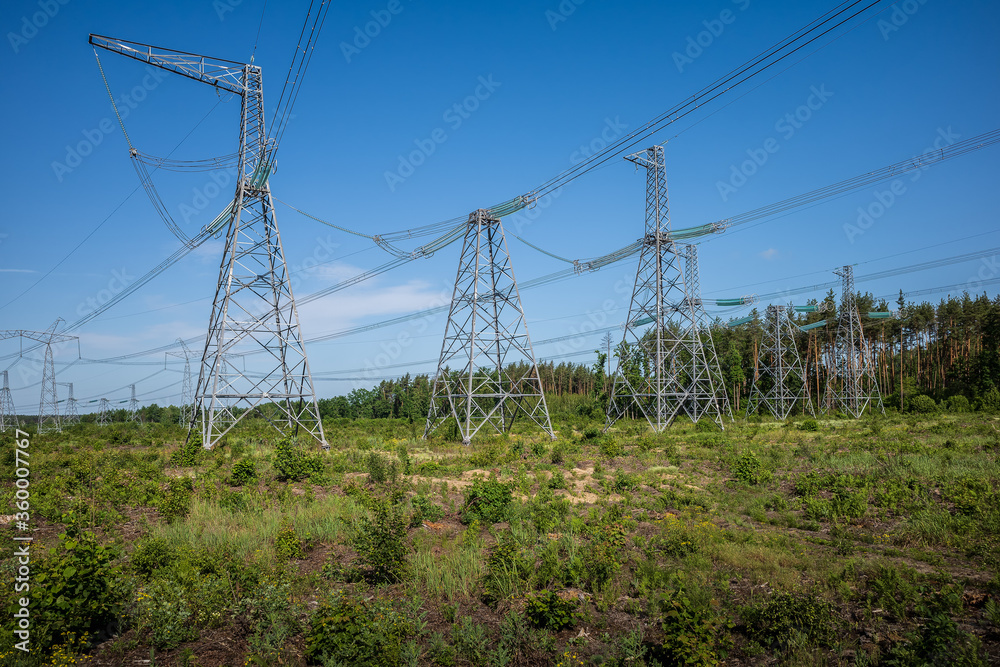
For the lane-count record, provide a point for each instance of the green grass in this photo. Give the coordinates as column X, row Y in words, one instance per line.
column 874, row 518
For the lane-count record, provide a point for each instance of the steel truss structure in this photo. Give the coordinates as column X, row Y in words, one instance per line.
column 495, row 377
column 851, row 384
column 48, row 404
column 71, row 415
column 779, row 382
column 8, row 415
column 104, row 412
column 187, row 389
column 665, row 370
column 133, row 407
column 253, row 312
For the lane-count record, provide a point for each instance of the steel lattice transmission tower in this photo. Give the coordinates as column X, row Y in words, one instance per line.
column 8, row 415
column 187, row 388
column 104, row 412
column 253, row 312
column 486, row 337
column 72, row 413
column 851, row 385
column 710, row 378
column 133, row 407
column 48, row 404
column 780, row 381
column 663, row 371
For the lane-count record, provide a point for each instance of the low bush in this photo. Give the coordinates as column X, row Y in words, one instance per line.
column 546, row 609
column 488, row 501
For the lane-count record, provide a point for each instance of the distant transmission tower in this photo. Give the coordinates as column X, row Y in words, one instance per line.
column 253, row 312
column 187, row 389
column 72, row 413
column 133, row 407
column 8, row 415
column 707, row 381
column 485, row 337
column 780, row 381
column 662, row 370
column 48, row 405
column 104, row 412
column 852, row 385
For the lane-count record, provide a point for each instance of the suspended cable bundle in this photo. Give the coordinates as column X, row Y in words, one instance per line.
column 223, row 162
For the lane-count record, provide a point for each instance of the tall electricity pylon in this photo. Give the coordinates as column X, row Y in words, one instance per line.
column 707, row 381
column 253, row 312
column 71, row 415
column 662, row 370
column 133, row 407
column 48, row 405
column 8, row 415
column 780, row 381
column 852, row 385
column 104, row 412
column 495, row 376
column 187, row 389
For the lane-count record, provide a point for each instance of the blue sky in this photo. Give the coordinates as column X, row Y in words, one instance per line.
column 551, row 78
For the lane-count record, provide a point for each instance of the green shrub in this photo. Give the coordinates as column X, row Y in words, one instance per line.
column 624, row 482
column 380, row 541
column 990, row 401
column 693, row 634
column 244, row 472
column 506, row 570
column 424, row 509
column 557, row 480
column 958, row 403
column 809, row 425
column 748, row 469
column 602, row 558
column 380, row 469
column 547, row 610
column 152, row 554
column 75, row 589
column 487, row 500
column 292, row 464
column 287, row 544
column 610, row 447
column 706, row 426
column 189, row 453
column 591, row 433
column 782, row 616
column 349, row 631
column 176, row 500
column 923, row 404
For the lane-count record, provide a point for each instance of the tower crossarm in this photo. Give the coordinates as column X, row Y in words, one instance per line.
column 217, row 72
column 40, row 336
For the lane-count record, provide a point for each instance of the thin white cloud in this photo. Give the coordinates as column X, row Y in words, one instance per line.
column 769, row 254
column 18, row 271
